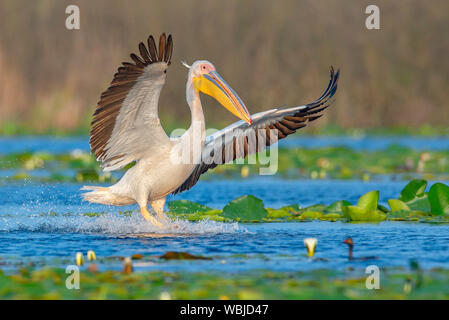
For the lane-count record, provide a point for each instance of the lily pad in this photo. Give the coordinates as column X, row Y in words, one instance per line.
column 369, row 201
column 292, row 209
column 420, row 203
column 247, row 208
column 332, row 216
column 186, row 206
column 366, row 209
column 360, row 214
column 316, row 208
column 311, row 215
column 337, row 206
column 398, row 205
column 439, row 199
column 414, row 189
column 213, row 212
column 403, row 215
column 278, row 213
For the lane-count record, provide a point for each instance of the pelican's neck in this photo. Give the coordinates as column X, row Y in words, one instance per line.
column 194, row 137
column 194, row 102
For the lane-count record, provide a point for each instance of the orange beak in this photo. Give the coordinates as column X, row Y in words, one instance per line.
column 213, row 85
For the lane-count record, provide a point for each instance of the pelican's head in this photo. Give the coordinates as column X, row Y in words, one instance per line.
column 205, row 79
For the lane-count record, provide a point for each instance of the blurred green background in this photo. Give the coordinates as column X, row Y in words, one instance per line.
column 272, row 53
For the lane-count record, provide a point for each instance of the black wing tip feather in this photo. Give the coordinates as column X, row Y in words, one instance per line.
column 150, row 53
column 124, row 79
column 315, row 108
column 329, row 92
column 311, row 113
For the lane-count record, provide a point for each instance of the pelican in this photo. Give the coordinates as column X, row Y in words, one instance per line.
column 126, row 129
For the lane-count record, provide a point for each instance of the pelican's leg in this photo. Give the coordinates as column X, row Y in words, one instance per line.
column 158, row 207
column 149, row 217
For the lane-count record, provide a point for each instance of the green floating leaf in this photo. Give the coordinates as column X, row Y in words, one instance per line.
column 366, row 209
column 414, row 189
column 87, row 175
column 351, row 212
column 293, row 208
column 420, row 203
column 398, row 205
column 408, row 215
column 213, row 212
column 186, row 206
column 369, row 201
column 91, row 214
column 311, row 215
column 278, row 213
column 439, row 199
column 316, row 207
column 245, row 208
column 359, row 214
column 214, row 215
column 332, row 216
column 337, row 206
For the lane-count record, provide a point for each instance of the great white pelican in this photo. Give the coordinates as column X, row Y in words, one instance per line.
column 126, row 128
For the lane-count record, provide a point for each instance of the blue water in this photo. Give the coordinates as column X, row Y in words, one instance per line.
column 45, row 224
column 65, row 197
column 369, row 143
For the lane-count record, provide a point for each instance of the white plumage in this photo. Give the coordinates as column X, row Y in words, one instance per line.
column 126, row 128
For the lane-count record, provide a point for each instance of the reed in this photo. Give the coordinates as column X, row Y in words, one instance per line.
column 272, row 53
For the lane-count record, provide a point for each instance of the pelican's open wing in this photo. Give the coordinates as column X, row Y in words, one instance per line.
column 240, row 139
column 126, row 124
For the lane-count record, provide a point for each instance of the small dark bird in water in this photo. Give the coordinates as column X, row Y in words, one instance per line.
column 350, row 244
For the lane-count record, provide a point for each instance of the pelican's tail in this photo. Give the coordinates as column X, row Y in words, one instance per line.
column 103, row 195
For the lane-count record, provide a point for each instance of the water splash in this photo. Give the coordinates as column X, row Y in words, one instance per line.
column 111, row 224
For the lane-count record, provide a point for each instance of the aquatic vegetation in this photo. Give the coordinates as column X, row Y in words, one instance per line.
column 185, row 206
column 246, row 208
column 414, row 195
column 366, row 209
column 11, row 128
column 439, row 199
column 414, row 204
column 337, row 206
column 321, row 163
column 49, row 283
column 414, row 201
column 345, row 163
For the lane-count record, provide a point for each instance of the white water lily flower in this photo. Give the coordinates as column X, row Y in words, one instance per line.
column 91, row 255
column 79, row 258
column 310, row 244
